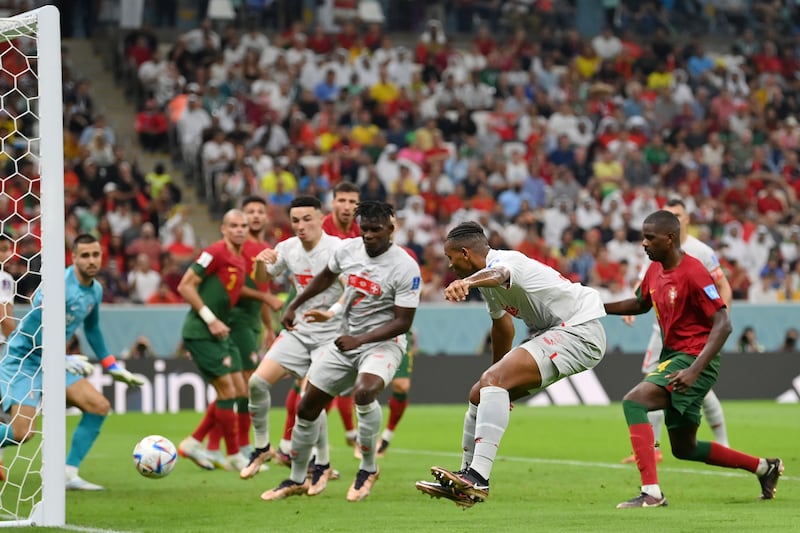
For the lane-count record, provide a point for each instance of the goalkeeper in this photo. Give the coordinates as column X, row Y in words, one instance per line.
column 20, row 368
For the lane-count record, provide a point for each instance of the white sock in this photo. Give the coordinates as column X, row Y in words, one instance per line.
column 468, row 437
column 259, row 406
column 763, row 466
column 322, row 449
column 386, row 435
column 652, row 490
column 712, row 410
column 656, row 419
column 370, row 419
column 303, row 438
column 490, row 425
column 285, row 446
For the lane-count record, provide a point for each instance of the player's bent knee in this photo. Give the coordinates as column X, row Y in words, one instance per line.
column 98, row 406
column 365, row 396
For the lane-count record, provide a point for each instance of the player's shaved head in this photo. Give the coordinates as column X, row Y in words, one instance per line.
column 468, row 235
column 232, row 213
column 665, row 223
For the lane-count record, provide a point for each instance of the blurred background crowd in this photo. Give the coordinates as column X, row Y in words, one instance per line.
column 558, row 125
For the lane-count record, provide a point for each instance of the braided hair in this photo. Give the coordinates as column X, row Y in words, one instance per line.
column 468, row 235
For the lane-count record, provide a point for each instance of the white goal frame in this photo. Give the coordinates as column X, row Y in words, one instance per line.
column 51, row 509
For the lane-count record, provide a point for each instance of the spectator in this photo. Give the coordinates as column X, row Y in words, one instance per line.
column 748, row 343
column 151, row 126
column 164, row 295
column 146, row 244
column 143, row 281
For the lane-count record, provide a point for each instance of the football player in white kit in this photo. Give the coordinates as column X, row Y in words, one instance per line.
column 712, row 408
column 381, row 298
column 569, row 339
column 302, row 257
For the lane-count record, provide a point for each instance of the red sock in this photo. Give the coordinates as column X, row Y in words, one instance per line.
column 292, row 401
column 226, row 422
column 643, row 443
column 208, row 422
column 345, row 405
column 396, row 410
column 729, row 458
column 214, row 436
column 243, row 428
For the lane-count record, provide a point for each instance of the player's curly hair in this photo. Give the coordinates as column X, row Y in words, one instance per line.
column 371, row 209
column 468, row 235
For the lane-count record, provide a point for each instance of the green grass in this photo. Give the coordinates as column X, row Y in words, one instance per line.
column 558, row 470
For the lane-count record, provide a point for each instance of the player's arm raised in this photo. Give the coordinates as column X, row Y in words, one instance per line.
column 265, row 257
column 188, row 289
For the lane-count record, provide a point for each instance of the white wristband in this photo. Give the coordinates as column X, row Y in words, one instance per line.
column 336, row 308
column 207, row 315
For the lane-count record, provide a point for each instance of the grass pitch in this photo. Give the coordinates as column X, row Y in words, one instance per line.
column 558, row 469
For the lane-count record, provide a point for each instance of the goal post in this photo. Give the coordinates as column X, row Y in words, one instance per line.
column 31, row 98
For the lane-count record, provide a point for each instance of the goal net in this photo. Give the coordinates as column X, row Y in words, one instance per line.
column 32, row 217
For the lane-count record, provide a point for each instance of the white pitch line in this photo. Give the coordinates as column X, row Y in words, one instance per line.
column 85, row 529
column 594, row 464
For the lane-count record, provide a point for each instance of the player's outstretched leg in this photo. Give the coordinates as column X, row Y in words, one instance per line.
column 436, row 490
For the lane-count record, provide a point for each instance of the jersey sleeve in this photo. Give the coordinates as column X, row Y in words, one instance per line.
column 714, row 268
column 206, row 262
column 335, row 262
column 91, row 327
column 643, row 291
column 706, row 294
column 279, row 266
column 409, row 285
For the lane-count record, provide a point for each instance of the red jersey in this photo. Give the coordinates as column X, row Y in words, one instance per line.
column 247, row 310
column 250, row 250
column 223, row 275
column 684, row 299
column 330, row 228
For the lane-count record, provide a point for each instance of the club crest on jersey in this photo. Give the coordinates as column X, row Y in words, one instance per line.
column 672, row 294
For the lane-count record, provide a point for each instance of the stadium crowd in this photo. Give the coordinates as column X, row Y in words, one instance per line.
column 559, row 144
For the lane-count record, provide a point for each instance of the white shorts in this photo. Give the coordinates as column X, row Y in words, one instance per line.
column 653, row 354
column 334, row 372
column 566, row 350
column 294, row 352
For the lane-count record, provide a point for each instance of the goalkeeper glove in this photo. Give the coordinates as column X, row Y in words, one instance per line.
column 120, row 374
column 78, row 365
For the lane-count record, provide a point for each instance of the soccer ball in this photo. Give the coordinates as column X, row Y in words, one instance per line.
column 155, row 456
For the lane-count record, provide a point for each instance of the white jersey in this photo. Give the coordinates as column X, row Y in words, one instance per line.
column 697, row 249
column 538, row 294
column 375, row 285
column 303, row 265
column 6, row 293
